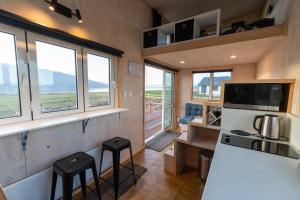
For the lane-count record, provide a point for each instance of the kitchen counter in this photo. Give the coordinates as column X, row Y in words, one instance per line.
column 241, row 174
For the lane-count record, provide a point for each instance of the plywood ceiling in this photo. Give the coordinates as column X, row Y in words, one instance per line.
column 246, row 52
column 173, row 10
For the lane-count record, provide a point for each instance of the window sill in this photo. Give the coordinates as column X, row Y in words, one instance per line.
column 11, row 129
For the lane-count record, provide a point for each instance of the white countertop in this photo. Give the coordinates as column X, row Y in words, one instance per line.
column 241, row 174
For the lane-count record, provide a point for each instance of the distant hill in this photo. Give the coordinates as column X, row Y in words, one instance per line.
column 50, row 81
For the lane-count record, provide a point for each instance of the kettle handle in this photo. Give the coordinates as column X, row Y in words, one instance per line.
column 260, row 123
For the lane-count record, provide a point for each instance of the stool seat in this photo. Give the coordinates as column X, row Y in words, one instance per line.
column 116, row 144
column 73, row 164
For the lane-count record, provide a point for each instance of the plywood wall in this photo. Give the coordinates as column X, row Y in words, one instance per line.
column 185, row 80
column 284, row 60
column 115, row 23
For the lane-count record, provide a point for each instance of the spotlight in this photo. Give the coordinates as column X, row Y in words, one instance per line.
column 63, row 10
column 78, row 15
column 51, row 8
column 52, row 4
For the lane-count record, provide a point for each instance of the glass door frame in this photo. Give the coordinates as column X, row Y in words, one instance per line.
column 163, row 98
column 172, row 99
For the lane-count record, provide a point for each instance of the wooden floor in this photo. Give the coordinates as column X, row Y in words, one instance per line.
column 156, row 184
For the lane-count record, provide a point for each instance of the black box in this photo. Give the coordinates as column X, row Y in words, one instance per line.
column 184, row 30
column 150, row 38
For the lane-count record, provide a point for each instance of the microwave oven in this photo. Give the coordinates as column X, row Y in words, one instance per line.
column 256, row 96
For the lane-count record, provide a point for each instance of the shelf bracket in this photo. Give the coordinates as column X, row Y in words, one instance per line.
column 24, row 137
column 84, row 124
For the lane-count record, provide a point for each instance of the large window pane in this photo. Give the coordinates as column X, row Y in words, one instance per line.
column 201, row 85
column 98, row 80
column 217, row 83
column 57, row 77
column 9, row 86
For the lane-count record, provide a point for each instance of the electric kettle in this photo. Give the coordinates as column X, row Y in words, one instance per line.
column 268, row 127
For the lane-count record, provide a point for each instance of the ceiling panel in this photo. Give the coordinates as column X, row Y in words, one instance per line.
column 246, row 52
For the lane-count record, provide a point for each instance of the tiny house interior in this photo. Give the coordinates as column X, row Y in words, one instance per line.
column 149, row 99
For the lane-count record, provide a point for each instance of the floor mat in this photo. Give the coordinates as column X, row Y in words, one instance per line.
column 163, row 140
column 107, row 190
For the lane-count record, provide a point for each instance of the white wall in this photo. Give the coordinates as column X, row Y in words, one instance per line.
column 284, row 62
column 238, row 119
column 115, row 23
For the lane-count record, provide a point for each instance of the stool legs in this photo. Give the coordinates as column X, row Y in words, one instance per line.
column 101, row 160
column 116, row 162
column 96, row 180
column 53, row 187
column 83, row 182
column 132, row 166
column 67, row 187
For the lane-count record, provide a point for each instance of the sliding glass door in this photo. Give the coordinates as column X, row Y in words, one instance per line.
column 168, row 99
column 158, row 100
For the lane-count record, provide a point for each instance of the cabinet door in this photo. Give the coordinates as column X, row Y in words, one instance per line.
column 150, row 38
column 184, row 30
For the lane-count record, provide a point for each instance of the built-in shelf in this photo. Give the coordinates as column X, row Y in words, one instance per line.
column 205, row 140
column 201, row 26
column 11, row 129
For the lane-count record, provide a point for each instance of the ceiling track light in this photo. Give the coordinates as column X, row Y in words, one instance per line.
column 63, row 10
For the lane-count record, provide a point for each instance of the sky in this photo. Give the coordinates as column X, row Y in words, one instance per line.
column 61, row 59
column 153, row 77
column 7, row 49
column 8, row 56
column 55, row 58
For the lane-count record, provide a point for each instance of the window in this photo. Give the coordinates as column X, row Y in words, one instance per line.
column 207, row 85
column 203, row 89
column 13, row 76
column 64, row 78
column 9, row 84
column 200, row 84
column 56, row 76
column 98, row 75
column 216, row 88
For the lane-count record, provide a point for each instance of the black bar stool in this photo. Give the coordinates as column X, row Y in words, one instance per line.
column 70, row 166
column 116, row 145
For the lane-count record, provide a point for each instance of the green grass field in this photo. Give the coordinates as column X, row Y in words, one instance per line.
column 9, row 105
column 153, row 93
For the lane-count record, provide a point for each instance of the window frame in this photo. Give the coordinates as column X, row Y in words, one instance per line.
column 112, row 83
column 211, row 87
column 22, row 74
column 36, row 107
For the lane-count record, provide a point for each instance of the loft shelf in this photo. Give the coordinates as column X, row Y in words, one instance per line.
column 200, row 26
column 268, row 32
